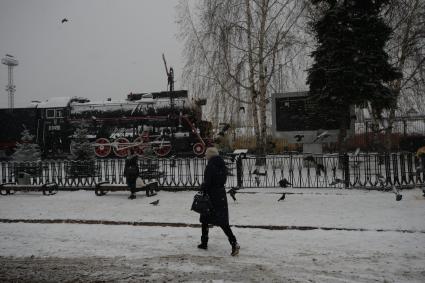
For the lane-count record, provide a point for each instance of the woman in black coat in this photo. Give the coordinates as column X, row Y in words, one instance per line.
column 215, row 176
column 131, row 172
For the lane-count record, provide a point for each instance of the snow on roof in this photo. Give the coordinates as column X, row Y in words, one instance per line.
column 54, row 102
column 102, row 102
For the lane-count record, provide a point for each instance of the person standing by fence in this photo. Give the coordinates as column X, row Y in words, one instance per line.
column 131, row 172
column 215, row 176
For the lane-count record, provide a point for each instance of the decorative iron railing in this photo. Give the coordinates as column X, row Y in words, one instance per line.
column 333, row 170
column 302, row 171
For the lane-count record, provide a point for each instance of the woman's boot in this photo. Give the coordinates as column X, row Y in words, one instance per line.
column 204, row 243
column 235, row 249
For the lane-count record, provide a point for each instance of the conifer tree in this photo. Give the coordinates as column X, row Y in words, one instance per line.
column 81, row 146
column 26, row 150
column 350, row 64
column 84, row 164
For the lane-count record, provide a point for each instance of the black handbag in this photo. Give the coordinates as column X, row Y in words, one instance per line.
column 202, row 203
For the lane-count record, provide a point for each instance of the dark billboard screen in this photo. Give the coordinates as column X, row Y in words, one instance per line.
column 300, row 113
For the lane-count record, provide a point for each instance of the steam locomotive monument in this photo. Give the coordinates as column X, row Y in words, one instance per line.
column 164, row 122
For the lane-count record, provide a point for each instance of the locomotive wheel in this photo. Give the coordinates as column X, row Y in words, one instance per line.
column 140, row 149
column 102, row 147
column 198, row 148
column 122, row 147
column 162, row 150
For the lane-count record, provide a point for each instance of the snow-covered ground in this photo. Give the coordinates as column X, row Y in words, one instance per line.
column 361, row 239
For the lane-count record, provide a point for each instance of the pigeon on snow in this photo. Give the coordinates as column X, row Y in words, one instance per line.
column 284, row 183
column 336, row 181
column 282, row 197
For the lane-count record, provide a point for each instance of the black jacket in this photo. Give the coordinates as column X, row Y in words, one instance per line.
column 131, row 168
column 214, row 180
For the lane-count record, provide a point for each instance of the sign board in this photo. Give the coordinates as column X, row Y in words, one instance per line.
column 295, row 117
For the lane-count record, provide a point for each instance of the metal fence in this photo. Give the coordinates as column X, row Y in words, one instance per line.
column 333, row 170
column 302, row 171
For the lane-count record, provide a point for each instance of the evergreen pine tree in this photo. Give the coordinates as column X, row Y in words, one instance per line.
column 81, row 146
column 84, row 164
column 26, row 150
column 27, row 155
column 351, row 66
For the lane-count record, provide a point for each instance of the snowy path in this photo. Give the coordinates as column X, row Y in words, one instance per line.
column 80, row 252
column 97, row 252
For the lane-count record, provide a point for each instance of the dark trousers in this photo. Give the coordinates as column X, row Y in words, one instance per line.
column 131, row 185
column 226, row 229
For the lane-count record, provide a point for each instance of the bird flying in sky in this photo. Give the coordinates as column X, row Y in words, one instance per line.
column 357, row 151
column 298, row 138
column 321, row 136
column 232, row 192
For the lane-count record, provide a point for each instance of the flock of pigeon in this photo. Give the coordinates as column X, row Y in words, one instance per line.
column 284, row 183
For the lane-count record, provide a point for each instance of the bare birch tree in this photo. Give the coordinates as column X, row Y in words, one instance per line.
column 233, row 48
column 407, row 50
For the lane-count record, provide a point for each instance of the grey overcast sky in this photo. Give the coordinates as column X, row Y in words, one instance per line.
column 108, row 48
